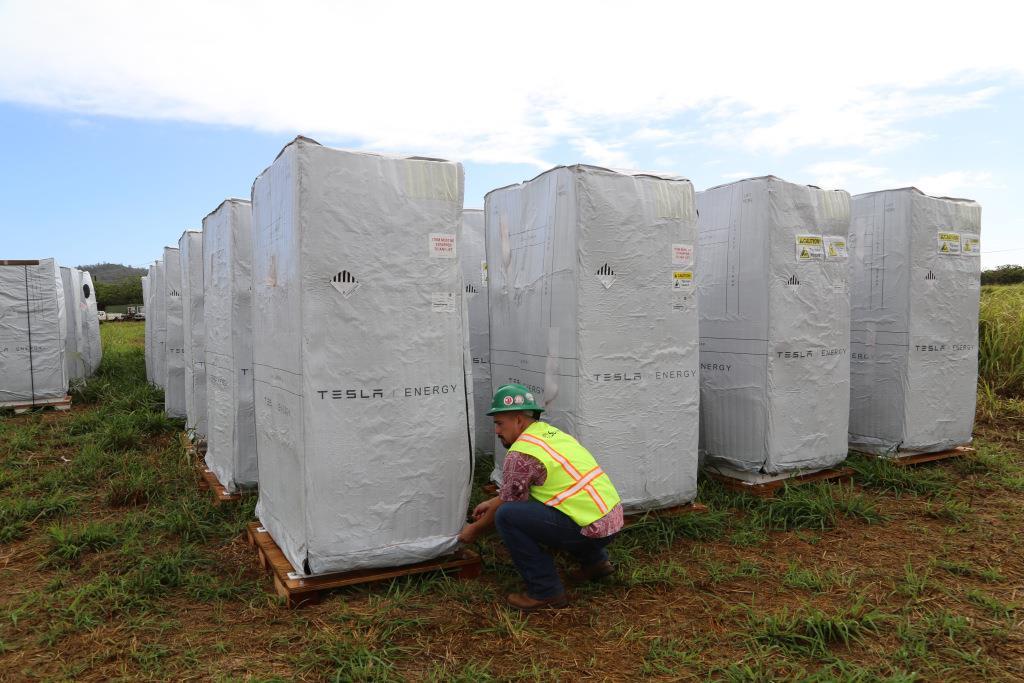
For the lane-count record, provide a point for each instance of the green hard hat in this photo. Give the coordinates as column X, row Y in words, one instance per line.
column 511, row 397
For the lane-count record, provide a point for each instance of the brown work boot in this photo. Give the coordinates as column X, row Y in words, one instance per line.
column 592, row 572
column 525, row 603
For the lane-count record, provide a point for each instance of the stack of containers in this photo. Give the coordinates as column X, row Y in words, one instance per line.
column 473, row 259
column 32, row 330
column 148, row 325
column 775, row 327
column 190, row 247
column 159, row 324
column 71, row 280
column 89, row 325
column 360, row 357
column 915, row 271
column 174, row 390
column 227, row 314
column 593, row 308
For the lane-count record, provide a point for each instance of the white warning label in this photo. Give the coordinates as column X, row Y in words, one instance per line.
column 835, row 248
column 483, row 273
column 682, row 255
column 949, row 243
column 442, row 302
column 809, row 248
column 442, row 245
column 970, row 245
column 682, row 279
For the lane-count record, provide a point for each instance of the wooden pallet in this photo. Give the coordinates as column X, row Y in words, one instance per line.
column 920, row 458
column 208, row 482
column 768, row 489
column 689, row 508
column 19, row 407
column 298, row 590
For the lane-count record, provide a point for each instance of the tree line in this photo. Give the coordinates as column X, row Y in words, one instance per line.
column 1003, row 275
column 123, row 292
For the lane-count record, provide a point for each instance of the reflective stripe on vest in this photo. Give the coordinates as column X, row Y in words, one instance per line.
column 571, row 470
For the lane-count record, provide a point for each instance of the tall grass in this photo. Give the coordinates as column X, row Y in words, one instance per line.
column 1001, row 342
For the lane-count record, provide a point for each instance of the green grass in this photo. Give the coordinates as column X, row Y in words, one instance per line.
column 815, row 632
column 883, row 475
column 1000, row 335
column 815, row 579
column 69, row 544
column 120, row 568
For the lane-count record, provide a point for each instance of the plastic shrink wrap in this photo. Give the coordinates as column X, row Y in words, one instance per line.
column 360, row 357
column 774, row 326
column 593, row 307
column 915, row 269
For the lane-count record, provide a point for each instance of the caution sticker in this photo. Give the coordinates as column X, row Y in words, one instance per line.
column 682, row 279
column 970, row 245
column 483, row 273
column 809, row 248
column 835, row 248
column 682, row 255
column 949, row 243
column 442, row 302
column 442, row 245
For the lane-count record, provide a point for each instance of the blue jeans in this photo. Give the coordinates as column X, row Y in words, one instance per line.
column 527, row 525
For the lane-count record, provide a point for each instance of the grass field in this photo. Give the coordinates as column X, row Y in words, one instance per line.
column 115, row 566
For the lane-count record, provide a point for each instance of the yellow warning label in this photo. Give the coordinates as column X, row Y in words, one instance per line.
column 949, row 242
column 681, row 278
column 809, row 248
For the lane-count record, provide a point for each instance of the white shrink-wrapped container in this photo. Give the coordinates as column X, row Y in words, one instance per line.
column 915, row 270
column 71, row 279
column 473, row 259
column 227, row 313
column 360, row 357
column 89, row 331
column 32, row 330
column 190, row 248
column 147, row 326
column 774, row 326
column 151, row 324
column 174, row 391
column 592, row 307
column 159, row 324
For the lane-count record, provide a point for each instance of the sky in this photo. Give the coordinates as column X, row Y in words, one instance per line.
column 124, row 123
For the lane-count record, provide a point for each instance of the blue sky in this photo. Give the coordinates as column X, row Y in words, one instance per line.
column 122, row 125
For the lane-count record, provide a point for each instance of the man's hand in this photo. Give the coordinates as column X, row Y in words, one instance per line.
column 483, row 508
column 483, row 520
column 469, row 533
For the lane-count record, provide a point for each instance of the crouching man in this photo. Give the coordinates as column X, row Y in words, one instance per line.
column 553, row 494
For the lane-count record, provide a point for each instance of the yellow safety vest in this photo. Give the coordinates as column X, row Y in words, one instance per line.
column 575, row 484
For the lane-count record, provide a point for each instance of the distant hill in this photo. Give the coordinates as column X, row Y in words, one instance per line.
column 112, row 272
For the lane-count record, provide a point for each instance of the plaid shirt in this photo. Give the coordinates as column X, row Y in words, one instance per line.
column 521, row 471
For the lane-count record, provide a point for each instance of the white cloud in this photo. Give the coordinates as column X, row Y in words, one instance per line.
column 847, row 174
column 609, row 155
column 956, row 183
column 486, row 83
